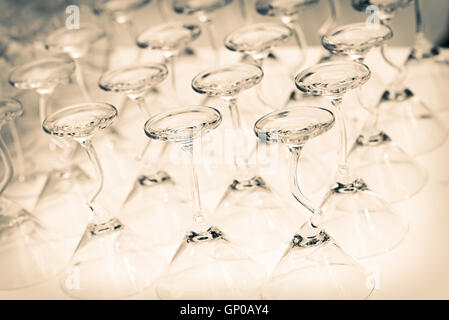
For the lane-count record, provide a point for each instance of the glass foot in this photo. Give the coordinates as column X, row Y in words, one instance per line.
column 110, row 264
column 254, row 217
column 410, row 123
column 315, row 267
column 157, row 209
column 386, row 168
column 361, row 222
column 208, row 266
column 29, row 253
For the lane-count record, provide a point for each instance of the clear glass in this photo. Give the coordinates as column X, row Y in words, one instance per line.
column 109, row 262
column 206, row 265
column 119, row 12
column 425, row 64
column 256, row 41
column 387, row 169
column 250, row 212
column 172, row 39
column 350, row 206
column 76, row 43
column 201, row 9
column 29, row 253
column 313, row 266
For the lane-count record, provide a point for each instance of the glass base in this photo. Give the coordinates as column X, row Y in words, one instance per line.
column 254, row 217
column 61, row 202
column 387, row 169
column 361, row 222
column 410, row 123
column 29, row 253
column 109, row 263
column 208, row 266
column 315, row 267
column 157, row 209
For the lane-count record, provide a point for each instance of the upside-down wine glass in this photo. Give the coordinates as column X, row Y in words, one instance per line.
column 119, row 11
column 109, row 262
column 76, row 43
column 361, row 222
column 172, row 39
column 29, row 253
column 406, row 118
column 201, row 9
column 255, row 41
column 386, row 168
column 249, row 211
column 206, row 265
column 314, row 266
column 154, row 207
column 427, row 68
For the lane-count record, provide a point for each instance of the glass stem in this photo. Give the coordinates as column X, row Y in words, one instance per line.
column 169, row 59
column 198, row 213
column 300, row 40
column 140, row 101
column 80, row 80
column 43, row 99
column 161, row 9
column 7, row 163
column 21, row 170
column 211, row 33
column 93, row 157
column 418, row 18
column 240, row 159
column 244, row 12
column 132, row 31
column 331, row 19
column 343, row 169
column 295, row 153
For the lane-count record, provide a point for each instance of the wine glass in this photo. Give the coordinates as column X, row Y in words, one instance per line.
column 361, row 221
column 425, row 62
column 171, row 39
column 206, row 265
column 313, row 266
column 249, row 211
column 108, row 262
column 387, row 169
column 288, row 12
column 154, row 207
column 119, row 11
column 65, row 180
column 76, row 43
column 29, row 253
column 406, row 118
column 255, row 42
column 201, row 9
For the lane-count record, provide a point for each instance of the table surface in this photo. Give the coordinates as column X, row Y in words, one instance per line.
column 417, row 269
